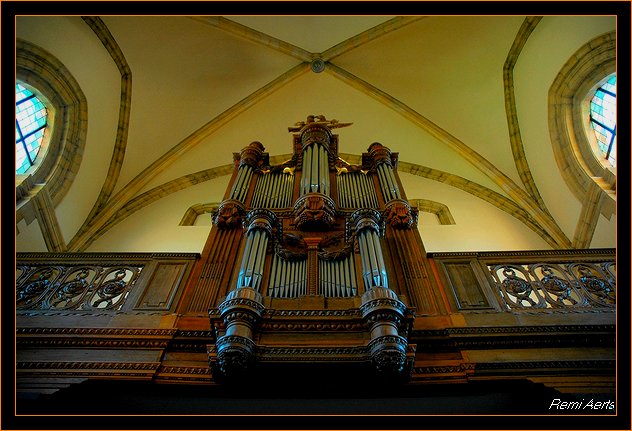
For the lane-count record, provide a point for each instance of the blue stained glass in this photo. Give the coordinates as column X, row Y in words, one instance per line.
column 30, row 116
column 603, row 118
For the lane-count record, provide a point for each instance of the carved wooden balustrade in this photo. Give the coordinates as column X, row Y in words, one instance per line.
column 566, row 281
column 100, row 282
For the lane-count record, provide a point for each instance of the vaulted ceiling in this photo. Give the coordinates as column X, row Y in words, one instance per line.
column 171, row 98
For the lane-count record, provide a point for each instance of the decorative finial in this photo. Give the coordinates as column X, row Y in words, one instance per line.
column 317, row 119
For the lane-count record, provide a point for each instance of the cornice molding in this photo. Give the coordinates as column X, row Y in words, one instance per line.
column 599, row 252
column 96, row 256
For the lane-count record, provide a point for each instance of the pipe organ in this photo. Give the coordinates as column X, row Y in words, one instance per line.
column 314, row 282
column 312, row 241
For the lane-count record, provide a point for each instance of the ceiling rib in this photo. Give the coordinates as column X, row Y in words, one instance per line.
column 368, row 36
column 78, row 243
column 515, row 138
column 255, row 36
column 103, row 33
column 478, row 161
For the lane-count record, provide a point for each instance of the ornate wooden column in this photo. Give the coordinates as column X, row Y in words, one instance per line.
column 380, row 306
column 243, row 306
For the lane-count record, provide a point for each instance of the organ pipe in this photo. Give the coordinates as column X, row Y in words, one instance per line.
column 366, row 222
column 336, row 277
column 253, row 258
column 240, row 187
column 388, row 183
column 273, row 190
column 355, row 190
column 315, row 176
column 288, row 278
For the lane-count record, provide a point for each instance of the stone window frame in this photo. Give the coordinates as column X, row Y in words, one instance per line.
column 43, row 187
column 569, row 123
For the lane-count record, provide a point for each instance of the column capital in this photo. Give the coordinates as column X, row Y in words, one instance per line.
column 229, row 214
column 260, row 218
column 366, row 218
column 399, row 214
column 252, row 155
column 380, row 154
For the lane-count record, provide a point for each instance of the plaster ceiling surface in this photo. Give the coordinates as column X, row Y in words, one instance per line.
column 191, row 71
column 204, row 87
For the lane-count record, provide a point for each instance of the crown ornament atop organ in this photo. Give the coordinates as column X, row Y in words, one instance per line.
column 310, row 248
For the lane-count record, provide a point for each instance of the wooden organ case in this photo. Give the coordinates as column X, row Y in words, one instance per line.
column 313, row 260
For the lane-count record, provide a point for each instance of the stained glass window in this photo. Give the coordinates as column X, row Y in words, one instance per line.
column 603, row 118
column 30, row 123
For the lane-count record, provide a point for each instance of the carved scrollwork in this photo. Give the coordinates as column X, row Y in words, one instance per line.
column 389, row 354
column 29, row 292
column 229, row 214
column 70, row 294
column 317, row 120
column 291, row 247
column 86, row 287
column 235, row 354
column 335, row 247
column 595, row 287
column 561, row 286
column 517, row 290
column 399, row 215
column 557, row 291
column 314, row 211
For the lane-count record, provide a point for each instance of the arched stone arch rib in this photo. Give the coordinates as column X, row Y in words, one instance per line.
column 425, row 205
column 592, row 183
column 499, row 201
column 527, row 206
column 194, row 211
column 515, row 138
column 433, row 207
column 101, row 31
column 159, row 192
column 519, row 196
column 84, row 235
column 468, row 186
column 255, row 36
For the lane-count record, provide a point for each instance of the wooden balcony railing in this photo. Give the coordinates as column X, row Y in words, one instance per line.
column 539, row 280
column 100, row 281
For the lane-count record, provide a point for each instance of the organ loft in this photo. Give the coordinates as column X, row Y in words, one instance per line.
column 315, row 259
column 314, row 284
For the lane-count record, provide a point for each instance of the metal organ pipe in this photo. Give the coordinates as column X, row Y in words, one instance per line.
column 240, row 187
column 252, row 263
column 367, row 222
column 314, row 182
column 388, row 182
column 336, row 277
column 273, row 190
column 355, row 190
column 287, row 278
column 315, row 176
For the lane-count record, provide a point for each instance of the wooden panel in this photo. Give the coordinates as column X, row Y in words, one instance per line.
column 162, row 287
column 465, row 286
